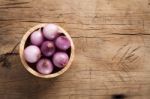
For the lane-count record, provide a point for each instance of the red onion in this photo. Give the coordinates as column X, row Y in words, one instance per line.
column 32, row 54
column 37, row 37
column 60, row 59
column 62, row 43
column 48, row 48
column 44, row 66
column 50, row 31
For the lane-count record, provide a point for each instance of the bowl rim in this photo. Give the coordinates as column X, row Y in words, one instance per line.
column 32, row 71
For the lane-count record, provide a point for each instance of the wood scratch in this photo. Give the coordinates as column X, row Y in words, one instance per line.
column 124, row 55
column 129, row 56
column 118, row 51
column 124, row 67
column 134, row 50
column 134, row 59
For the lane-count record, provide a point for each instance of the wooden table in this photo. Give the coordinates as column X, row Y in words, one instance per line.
column 112, row 40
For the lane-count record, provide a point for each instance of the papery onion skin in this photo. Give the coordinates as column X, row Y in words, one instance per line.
column 60, row 59
column 32, row 54
column 50, row 31
column 37, row 37
column 62, row 42
column 44, row 66
column 48, row 48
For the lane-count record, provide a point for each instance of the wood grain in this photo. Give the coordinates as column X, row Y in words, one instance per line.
column 112, row 41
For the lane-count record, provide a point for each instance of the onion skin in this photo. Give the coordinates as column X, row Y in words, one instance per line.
column 44, row 66
column 32, row 54
column 50, row 31
column 48, row 48
column 60, row 59
column 37, row 37
column 62, row 42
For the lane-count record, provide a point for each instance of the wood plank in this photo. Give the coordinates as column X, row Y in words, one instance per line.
column 112, row 48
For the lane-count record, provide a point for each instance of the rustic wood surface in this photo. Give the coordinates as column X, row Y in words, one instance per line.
column 112, row 56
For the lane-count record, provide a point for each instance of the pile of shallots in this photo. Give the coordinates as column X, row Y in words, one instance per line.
column 48, row 49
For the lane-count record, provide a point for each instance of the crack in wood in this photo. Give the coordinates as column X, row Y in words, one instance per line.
column 85, row 37
column 130, row 34
column 4, row 57
column 14, row 7
column 15, row 3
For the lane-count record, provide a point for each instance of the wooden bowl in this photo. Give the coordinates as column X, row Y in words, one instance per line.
column 34, row 72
